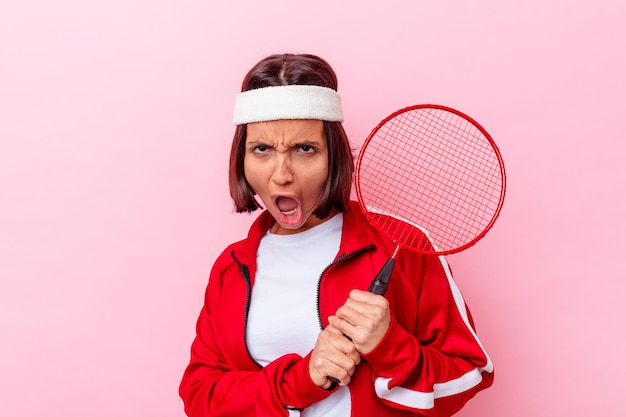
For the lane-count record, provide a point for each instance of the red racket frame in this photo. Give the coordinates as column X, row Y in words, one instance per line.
column 370, row 215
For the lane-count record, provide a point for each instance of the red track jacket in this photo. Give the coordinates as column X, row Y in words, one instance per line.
column 429, row 363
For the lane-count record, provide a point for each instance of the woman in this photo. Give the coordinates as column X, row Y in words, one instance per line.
column 287, row 328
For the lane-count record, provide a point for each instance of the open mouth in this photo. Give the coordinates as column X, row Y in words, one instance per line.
column 287, row 205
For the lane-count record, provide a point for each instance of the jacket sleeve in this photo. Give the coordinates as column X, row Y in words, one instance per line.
column 213, row 385
column 434, row 368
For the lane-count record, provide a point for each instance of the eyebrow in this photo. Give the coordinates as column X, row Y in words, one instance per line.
column 297, row 142
column 308, row 142
column 255, row 142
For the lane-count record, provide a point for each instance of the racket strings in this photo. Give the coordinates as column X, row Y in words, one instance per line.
column 435, row 171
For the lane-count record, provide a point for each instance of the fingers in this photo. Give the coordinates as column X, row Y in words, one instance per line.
column 364, row 318
column 343, row 343
column 334, row 356
column 356, row 328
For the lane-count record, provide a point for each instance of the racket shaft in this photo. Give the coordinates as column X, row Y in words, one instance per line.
column 380, row 282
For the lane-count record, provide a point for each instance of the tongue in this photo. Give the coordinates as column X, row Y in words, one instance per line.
column 286, row 203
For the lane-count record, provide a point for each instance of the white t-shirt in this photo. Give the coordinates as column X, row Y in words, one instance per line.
column 283, row 314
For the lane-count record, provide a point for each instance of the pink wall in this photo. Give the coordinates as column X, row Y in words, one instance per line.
column 114, row 122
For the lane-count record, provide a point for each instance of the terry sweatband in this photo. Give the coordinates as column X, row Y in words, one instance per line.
column 287, row 102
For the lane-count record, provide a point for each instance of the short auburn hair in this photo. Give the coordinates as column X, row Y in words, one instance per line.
column 295, row 69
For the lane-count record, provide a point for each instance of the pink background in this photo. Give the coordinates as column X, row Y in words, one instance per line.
column 115, row 129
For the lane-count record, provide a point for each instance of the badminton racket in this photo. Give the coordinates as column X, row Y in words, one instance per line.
column 430, row 179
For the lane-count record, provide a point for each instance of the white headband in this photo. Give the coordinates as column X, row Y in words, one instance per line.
column 287, row 102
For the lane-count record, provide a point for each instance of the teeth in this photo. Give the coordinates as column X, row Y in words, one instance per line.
column 289, row 213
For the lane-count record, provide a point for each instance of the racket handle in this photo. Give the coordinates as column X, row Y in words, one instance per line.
column 380, row 282
column 335, row 382
column 378, row 287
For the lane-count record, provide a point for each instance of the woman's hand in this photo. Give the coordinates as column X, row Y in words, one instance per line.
column 364, row 318
column 334, row 356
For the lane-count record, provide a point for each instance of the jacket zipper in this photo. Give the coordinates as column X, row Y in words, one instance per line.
column 245, row 272
column 339, row 259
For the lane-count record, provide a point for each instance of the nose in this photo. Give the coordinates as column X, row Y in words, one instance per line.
column 283, row 173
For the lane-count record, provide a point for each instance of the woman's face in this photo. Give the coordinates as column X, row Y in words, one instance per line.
column 286, row 164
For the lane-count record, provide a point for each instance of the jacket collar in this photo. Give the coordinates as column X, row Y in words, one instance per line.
column 357, row 231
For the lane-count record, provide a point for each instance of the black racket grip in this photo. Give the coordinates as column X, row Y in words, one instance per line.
column 380, row 282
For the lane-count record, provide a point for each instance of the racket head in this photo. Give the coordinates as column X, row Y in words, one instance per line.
column 430, row 179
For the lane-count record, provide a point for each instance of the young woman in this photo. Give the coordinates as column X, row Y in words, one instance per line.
column 287, row 328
